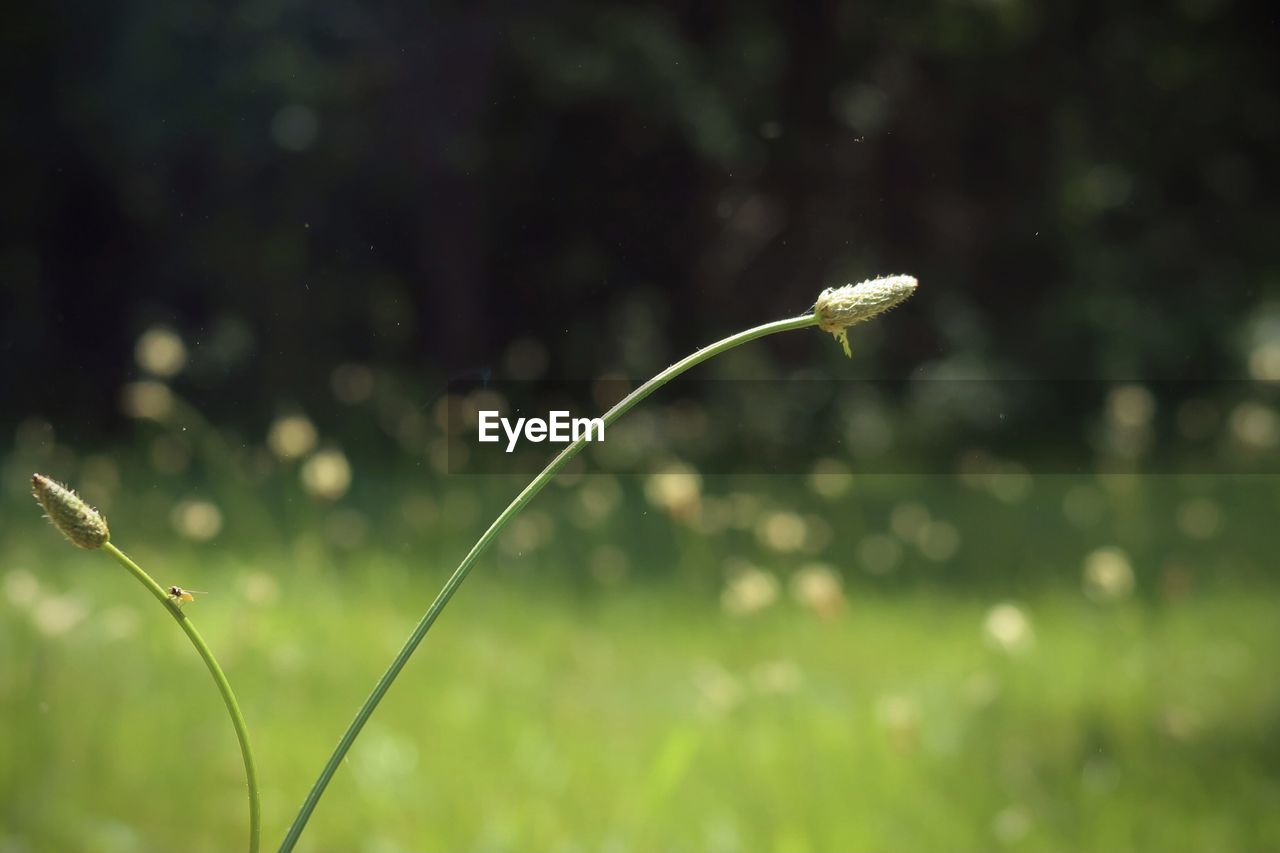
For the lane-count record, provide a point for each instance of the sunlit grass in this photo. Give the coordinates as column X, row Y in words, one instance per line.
column 564, row 715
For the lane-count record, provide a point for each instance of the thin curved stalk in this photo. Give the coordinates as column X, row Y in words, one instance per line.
column 513, row 509
column 219, row 678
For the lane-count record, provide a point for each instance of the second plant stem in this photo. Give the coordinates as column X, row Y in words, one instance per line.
column 219, row 678
column 513, row 509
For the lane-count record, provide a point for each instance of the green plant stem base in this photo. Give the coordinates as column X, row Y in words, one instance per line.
column 513, row 509
column 219, row 678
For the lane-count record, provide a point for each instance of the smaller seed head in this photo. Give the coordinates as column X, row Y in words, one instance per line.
column 838, row 308
column 83, row 525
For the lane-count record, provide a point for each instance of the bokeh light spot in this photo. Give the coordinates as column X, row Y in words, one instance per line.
column 161, row 352
column 1108, row 575
column 292, row 437
column 197, row 520
column 1007, row 628
column 327, row 474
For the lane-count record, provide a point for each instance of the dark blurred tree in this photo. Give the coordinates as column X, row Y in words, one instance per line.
column 1084, row 189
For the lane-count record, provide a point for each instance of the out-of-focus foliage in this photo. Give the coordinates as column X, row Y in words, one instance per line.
column 260, row 264
column 675, row 662
column 1084, row 190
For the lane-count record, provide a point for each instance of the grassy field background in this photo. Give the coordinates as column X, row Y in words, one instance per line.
column 661, row 674
column 263, row 264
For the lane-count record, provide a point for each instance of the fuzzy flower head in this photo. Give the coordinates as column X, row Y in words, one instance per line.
column 838, row 308
column 83, row 525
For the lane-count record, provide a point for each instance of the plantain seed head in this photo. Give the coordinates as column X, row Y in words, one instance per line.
column 83, row 525
column 838, row 308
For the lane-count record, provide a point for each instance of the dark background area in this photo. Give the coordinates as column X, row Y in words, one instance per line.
column 1006, row 579
column 1084, row 190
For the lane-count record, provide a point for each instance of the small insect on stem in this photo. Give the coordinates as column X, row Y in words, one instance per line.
column 180, row 595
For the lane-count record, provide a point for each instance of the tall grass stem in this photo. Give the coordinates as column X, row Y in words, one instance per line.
column 513, row 509
column 219, row 678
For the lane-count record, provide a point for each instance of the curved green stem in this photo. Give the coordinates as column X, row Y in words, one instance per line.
column 512, row 510
column 224, row 686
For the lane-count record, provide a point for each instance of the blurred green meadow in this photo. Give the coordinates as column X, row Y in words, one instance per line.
column 261, row 262
column 659, row 662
